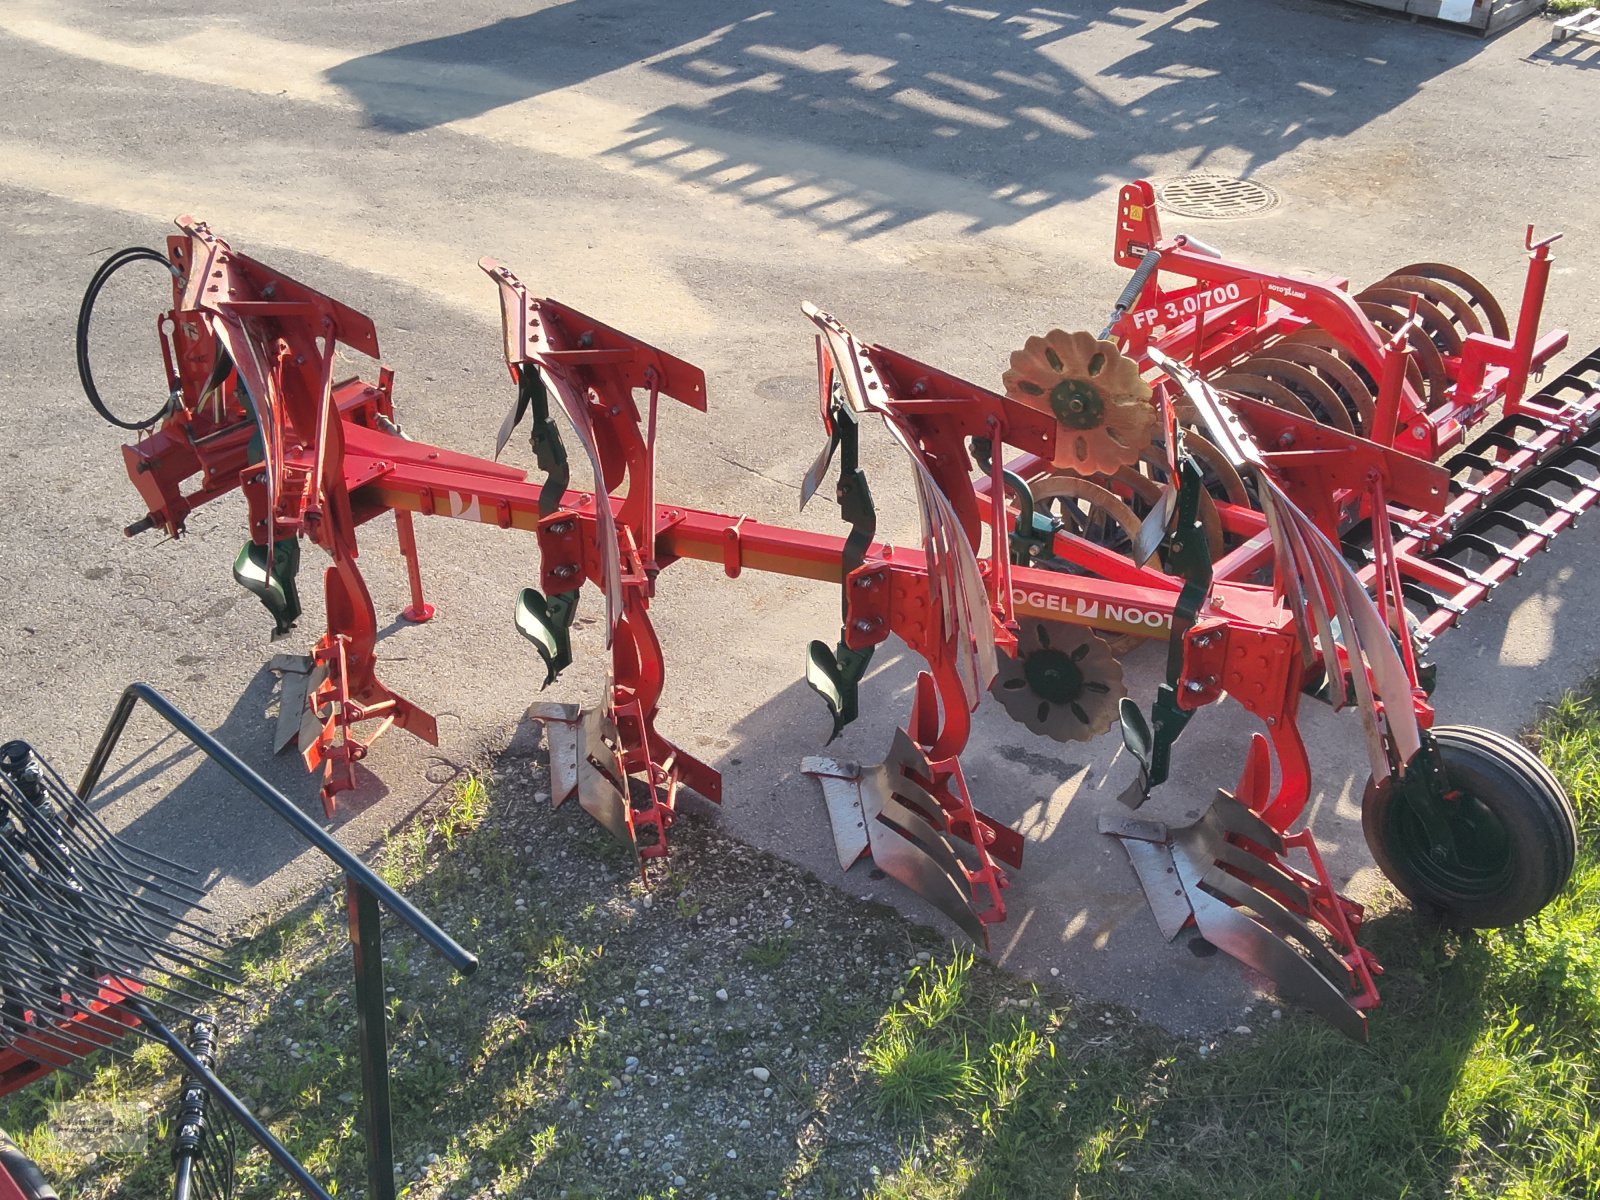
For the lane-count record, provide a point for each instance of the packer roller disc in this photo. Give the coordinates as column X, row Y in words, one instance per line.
column 1146, row 493
column 1221, row 480
column 1064, row 682
column 1104, row 418
column 1424, row 353
column 1462, row 316
column 1257, row 387
column 1096, row 514
column 1472, row 290
column 1313, row 335
column 1089, row 510
column 1436, row 323
column 1111, row 516
column 1357, row 398
column 1316, row 393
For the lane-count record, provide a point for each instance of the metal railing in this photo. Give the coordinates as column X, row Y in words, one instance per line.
column 364, row 893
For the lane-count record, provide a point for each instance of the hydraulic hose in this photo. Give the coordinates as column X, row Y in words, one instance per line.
column 86, row 312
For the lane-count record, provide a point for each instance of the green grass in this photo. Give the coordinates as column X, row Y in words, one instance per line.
column 771, row 951
column 898, row 1072
column 465, row 812
column 1562, row 8
column 940, row 1049
column 1482, row 1078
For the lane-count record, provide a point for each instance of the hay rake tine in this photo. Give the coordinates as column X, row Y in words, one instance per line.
column 154, row 921
column 90, row 946
column 155, row 950
column 84, row 822
column 80, row 814
column 88, row 1019
column 97, row 948
column 148, row 930
column 150, row 985
column 86, row 869
column 103, row 904
column 60, row 1050
column 155, row 878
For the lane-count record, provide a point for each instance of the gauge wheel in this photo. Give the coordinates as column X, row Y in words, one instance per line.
column 1500, row 849
column 22, row 1173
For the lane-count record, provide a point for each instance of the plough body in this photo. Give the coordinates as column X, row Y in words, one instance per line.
column 1226, row 466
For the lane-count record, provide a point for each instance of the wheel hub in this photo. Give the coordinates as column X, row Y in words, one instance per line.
column 1077, row 404
column 1053, row 676
column 1451, row 840
column 1064, row 682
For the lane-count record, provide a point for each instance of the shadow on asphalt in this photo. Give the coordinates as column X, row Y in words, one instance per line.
column 208, row 822
column 1076, row 903
column 1574, row 52
column 842, row 114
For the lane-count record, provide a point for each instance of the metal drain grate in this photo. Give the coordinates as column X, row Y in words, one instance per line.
column 1217, row 197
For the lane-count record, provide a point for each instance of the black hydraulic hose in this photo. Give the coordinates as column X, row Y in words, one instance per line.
column 86, row 311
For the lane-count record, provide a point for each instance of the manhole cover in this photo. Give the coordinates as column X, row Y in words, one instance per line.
column 1217, row 197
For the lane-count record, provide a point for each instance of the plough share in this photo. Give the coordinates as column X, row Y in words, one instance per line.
column 1296, row 485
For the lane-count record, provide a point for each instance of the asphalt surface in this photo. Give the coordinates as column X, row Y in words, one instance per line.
column 941, row 176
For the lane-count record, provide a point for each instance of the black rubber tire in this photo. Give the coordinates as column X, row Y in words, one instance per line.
column 101, row 277
column 21, row 1171
column 1520, row 794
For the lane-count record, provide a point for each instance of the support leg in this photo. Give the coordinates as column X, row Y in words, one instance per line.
column 372, row 1029
column 419, row 610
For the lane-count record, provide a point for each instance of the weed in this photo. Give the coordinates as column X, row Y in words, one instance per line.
column 915, row 1078
column 938, row 990
column 465, row 811
column 565, row 963
column 771, row 951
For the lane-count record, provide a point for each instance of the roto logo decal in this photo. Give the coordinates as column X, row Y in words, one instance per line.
column 1092, row 610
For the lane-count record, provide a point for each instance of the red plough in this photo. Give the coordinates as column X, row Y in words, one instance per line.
column 1242, row 463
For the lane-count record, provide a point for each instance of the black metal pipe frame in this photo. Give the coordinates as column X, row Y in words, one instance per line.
column 364, row 891
column 183, row 1181
column 235, row 1106
column 372, row 1032
column 284, row 808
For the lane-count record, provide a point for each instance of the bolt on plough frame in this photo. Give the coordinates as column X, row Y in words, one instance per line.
column 1242, row 463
